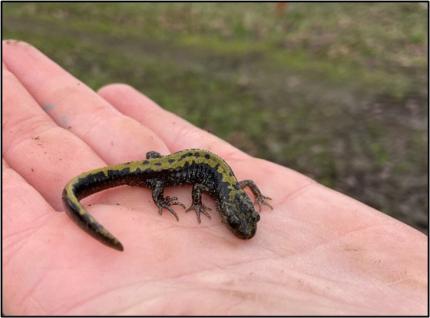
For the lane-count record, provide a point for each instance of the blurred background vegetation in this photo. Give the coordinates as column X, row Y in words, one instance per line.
column 337, row 91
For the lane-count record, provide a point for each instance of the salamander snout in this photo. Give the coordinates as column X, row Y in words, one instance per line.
column 242, row 218
column 244, row 228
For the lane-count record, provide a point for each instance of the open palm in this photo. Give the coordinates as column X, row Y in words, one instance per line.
column 317, row 252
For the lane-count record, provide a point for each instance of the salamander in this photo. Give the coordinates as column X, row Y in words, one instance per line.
column 205, row 171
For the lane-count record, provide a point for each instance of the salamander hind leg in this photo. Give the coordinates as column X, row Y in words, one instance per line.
column 259, row 197
column 164, row 202
column 197, row 204
column 152, row 155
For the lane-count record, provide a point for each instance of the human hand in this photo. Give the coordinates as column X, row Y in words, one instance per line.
column 318, row 252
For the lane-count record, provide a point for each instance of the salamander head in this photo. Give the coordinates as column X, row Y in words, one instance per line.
column 240, row 215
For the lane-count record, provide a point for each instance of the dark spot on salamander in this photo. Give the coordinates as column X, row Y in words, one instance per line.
column 114, row 174
column 145, row 162
column 171, row 160
column 197, row 154
column 183, row 156
column 157, row 164
column 217, row 166
column 185, row 165
column 207, row 156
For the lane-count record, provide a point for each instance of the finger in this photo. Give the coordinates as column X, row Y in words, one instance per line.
column 73, row 105
column 176, row 132
column 36, row 147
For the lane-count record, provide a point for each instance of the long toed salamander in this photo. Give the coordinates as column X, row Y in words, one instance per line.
column 204, row 170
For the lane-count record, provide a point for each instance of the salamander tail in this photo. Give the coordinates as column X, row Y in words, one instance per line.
column 86, row 221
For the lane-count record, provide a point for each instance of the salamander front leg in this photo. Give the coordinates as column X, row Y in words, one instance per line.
column 163, row 202
column 197, row 204
column 152, row 155
column 259, row 197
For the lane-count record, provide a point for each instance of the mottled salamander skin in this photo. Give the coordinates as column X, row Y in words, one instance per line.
column 204, row 170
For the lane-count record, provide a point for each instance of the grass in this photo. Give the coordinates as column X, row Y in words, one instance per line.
column 336, row 91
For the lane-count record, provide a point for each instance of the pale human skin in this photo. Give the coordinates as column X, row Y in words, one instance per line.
column 318, row 251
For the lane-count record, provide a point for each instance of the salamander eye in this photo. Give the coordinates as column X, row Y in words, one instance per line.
column 257, row 217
